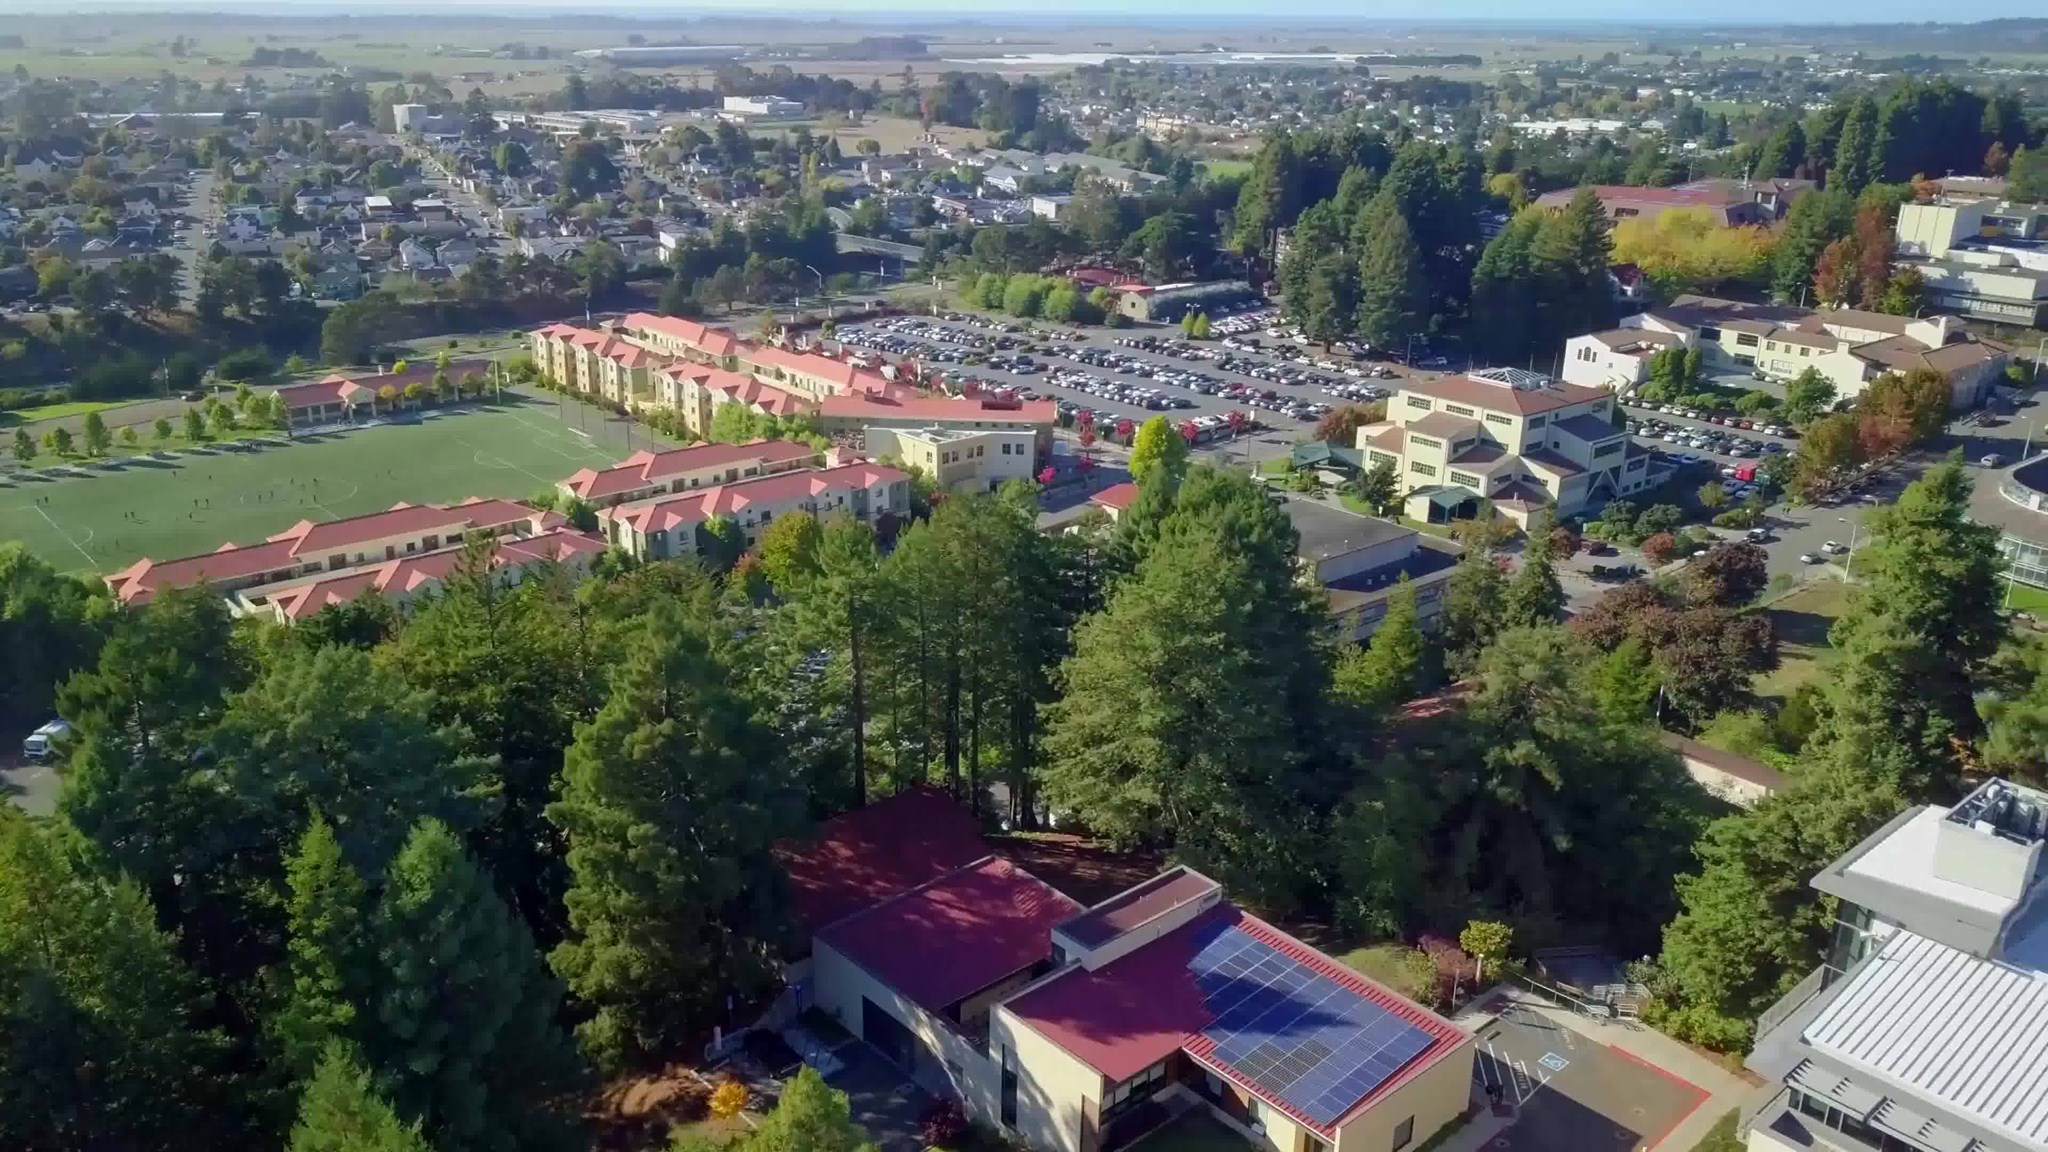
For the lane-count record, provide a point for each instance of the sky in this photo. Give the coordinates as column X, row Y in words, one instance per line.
column 1517, row 13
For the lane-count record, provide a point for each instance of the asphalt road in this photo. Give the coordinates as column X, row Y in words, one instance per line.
column 32, row 786
column 191, row 243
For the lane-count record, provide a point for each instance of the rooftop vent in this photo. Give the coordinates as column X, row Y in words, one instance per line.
column 2000, row 808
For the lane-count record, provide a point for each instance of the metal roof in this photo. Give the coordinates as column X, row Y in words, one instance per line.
column 1969, row 1034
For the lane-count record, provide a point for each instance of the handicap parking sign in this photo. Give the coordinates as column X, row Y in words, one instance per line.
column 1553, row 1061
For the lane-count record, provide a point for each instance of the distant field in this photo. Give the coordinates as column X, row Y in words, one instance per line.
column 56, row 411
column 193, row 504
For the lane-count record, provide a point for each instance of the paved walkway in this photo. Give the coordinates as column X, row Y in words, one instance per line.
column 1725, row 1091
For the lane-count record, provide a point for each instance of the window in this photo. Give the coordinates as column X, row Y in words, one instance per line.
column 1421, row 469
column 1607, row 449
column 1709, row 334
column 1009, row 1102
column 1383, row 458
column 1404, row 1134
column 1588, row 352
column 1457, row 410
column 1425, row 442
column 1744, row 340
column 1497, row 418
column 1466, row 479
column 1133, row 1091
column 1421, row 402
column 1537, row 421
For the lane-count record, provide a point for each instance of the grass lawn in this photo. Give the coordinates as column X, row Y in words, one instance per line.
column 1721, row 1137
column 718, row 1133
column 1195, row 1131
column 2027, row 598
column 1802, row 620
column 56, row 411
column 1221, row 168
column 1388, row 964
column 165, row 509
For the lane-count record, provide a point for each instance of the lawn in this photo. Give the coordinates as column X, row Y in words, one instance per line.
column 1389, row 964
column 56, row 411
column 164, row 509
column 2027, row 598
column 1802, row 620
column 1195, row 1131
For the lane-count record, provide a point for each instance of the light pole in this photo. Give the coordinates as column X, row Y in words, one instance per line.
column 821, row 287
column 1849, row 565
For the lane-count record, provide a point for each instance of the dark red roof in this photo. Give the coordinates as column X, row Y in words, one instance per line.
column 1129, row 1014
column 1117, row 496
column 1127, row 910
column 943, row 942
column 866, row 856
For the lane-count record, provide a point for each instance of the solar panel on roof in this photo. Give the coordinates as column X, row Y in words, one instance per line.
column 1296, row 1034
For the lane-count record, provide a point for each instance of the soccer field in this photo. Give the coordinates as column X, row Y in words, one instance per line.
column 165, row 509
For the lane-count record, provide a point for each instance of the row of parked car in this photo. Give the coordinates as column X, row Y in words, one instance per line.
column 1722, row 419
column 1719, row 441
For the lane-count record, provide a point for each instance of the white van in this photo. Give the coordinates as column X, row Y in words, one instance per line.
column 46, row 740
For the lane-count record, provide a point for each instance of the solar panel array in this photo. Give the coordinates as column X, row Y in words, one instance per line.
column 1296, row 1034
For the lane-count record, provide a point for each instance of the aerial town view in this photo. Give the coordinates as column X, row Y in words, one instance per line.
column 870, row 577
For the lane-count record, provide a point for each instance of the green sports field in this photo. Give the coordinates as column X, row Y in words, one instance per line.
column 193, row 504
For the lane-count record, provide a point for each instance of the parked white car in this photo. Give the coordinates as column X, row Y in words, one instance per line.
column 46, row 740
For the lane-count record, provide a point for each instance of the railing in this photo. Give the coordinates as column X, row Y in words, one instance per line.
column 1808, row 986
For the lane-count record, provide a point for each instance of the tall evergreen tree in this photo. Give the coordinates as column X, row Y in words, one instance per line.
column 1505, row 292
column 103, row 1044
column 670, row 803
column 1858, row 158
column 1534, row 596
column 1393, row 297
column 1782, row 154
column 1186, row 710
column 1570, row 256
column 1815, row 220
column 342, row 1112
column 842, row 610
column 1474, row 601
column 327, row 975
column 462, row 1036
column 1388, row 670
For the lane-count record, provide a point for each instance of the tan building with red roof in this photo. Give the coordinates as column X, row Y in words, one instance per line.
column 405, row 579
column 647, row 474
column 1517, row 439
column 850, row 415
column 342, row 397
column 672, row 525
column 350, row 556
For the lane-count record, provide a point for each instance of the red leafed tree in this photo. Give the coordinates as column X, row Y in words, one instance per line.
column 1124, row 431
column 1565, row 542
column 1875, row 246
column 1047, row 475
column 1835, row 273
column 1235, row 418
column 1659, row 549
column 1087, row 433
column 1188, row 431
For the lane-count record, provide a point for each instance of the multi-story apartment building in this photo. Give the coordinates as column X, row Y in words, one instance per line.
column 397, row 551
column 1516, row 439
column 1926, row 1029
column 671, row 525
column 1849, row 346
column 647, row 474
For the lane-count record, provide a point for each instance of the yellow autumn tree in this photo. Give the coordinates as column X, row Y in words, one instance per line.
column 1686, row 250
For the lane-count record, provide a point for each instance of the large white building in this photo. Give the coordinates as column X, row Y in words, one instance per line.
column 1849, row 346
column 1926, row 1029
column 1980, row 257
column 1516, row 439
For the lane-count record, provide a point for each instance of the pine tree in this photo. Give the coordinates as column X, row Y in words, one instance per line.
column 670, row 803
column 340, row 1111
column 1857, row 153
column 327, row 972
column 1473, row 602
column 1534, row 596
column 1388, row 670
column 1393, row 296
column 463, row 1038
column 1569, row 258
column 1504, row 291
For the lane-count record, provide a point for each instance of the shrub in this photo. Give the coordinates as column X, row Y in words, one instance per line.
column 1659, row 549
column 943, row 1124
column 729, row 1099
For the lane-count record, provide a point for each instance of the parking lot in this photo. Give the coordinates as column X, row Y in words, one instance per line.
column 1571, row 1093
column 1278, row 387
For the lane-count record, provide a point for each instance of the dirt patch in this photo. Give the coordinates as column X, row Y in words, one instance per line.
column 636, row 1112
column 1084, row 869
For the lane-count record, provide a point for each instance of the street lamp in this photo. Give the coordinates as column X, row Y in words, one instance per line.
column 1849, row 565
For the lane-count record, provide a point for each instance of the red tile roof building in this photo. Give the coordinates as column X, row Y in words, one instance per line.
column 404, row 579
column 332, row 546
column 342, row 396
column 646, row 474
column 667, row 526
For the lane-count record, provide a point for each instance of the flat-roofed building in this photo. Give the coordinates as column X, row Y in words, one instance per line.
column 1926, row 1027
column 854, row 415
column 959, row 459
